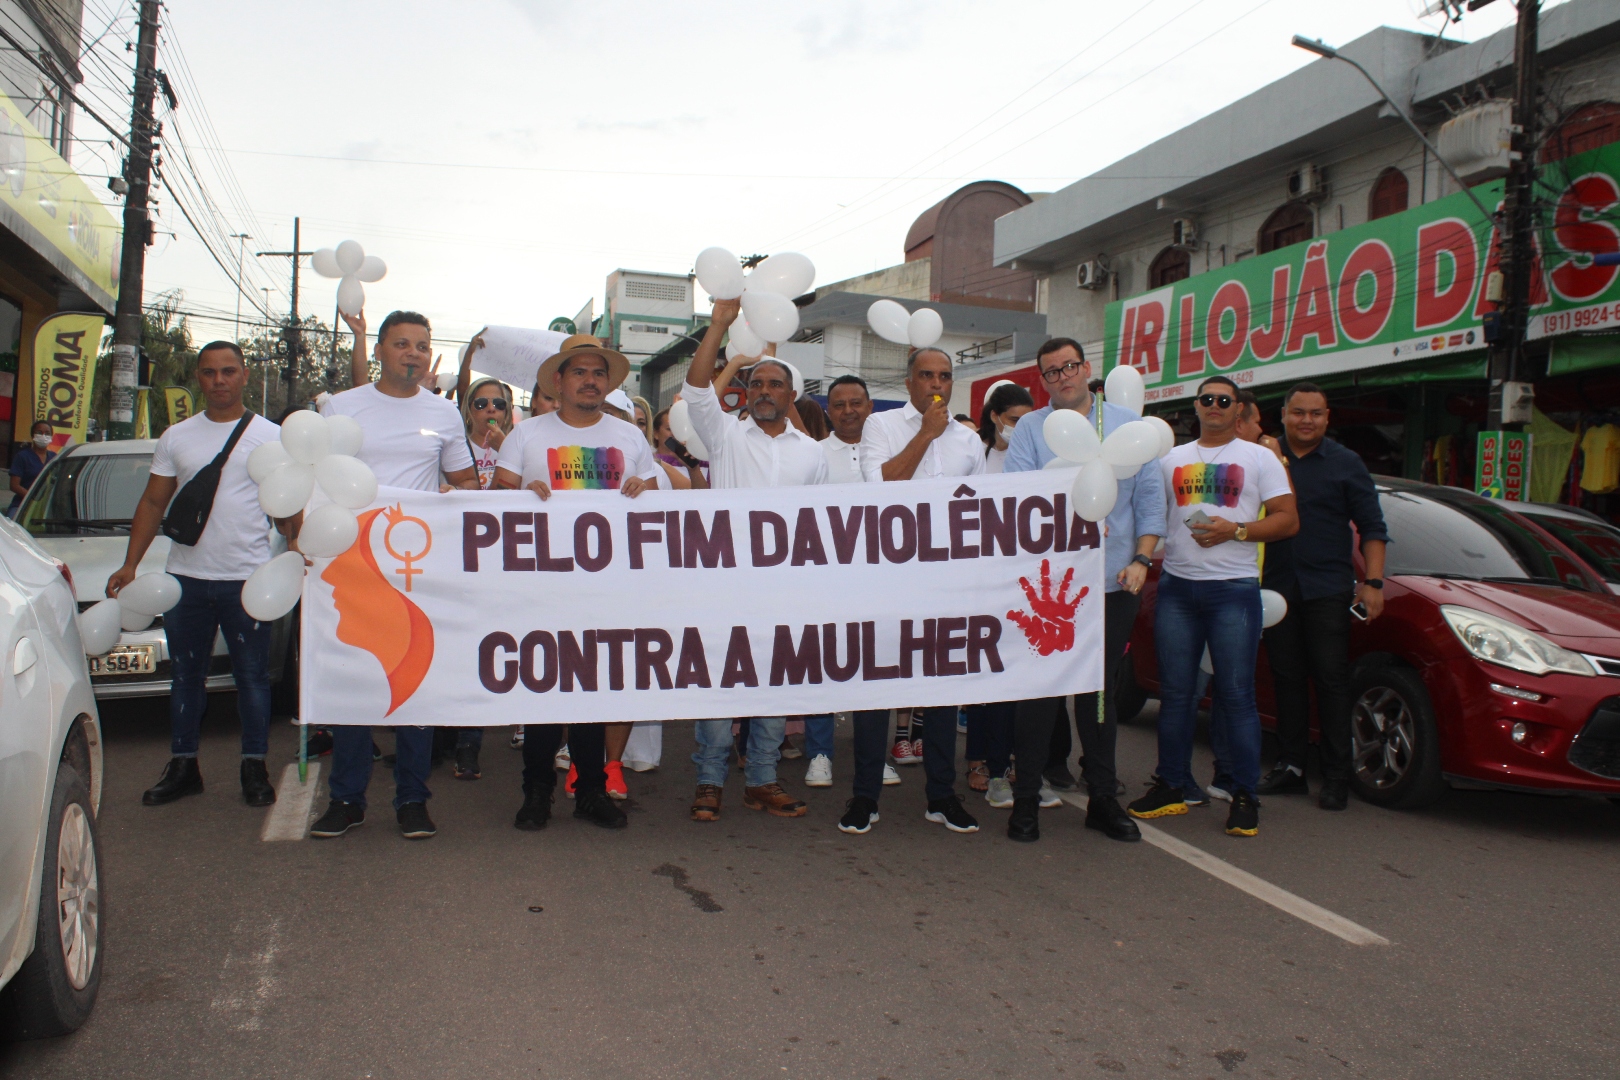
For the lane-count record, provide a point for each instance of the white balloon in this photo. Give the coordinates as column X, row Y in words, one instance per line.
column 446, row 381
column 1059, row 463
column 786, row 273
column 264, row 459
column 1206, row 663
column 1070, row 436
column 720, row 274
column 1273, row 607
column 285, row 491
column 1133, row 444
column 680, row 426
column 272, row 590
column 150, row 594
column 325, row 263
column 1167, row 434
column 744, row 342
column 351, row 295
column 133, row 620
column 372, row 269
column 772, row 315
column 1095, row 490
column 99, row 627
column 924, row 328
column 890, row 321
column 347, row 481
column 350, row 256
column 1125, row 472
column 347, row 436
column 328, row 531
column 305, row 437
column 1123, row 387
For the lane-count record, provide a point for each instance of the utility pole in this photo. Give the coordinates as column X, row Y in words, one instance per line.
column 264, row 362
column 292, row 332
column 129, row 319
column 1518, row 253
column 241, row 239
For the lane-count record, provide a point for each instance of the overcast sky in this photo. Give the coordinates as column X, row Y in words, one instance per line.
column 504, row 156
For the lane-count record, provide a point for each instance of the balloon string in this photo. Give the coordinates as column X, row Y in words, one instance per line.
column 303, row 753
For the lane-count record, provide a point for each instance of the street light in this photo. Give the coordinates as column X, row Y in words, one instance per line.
column 1328, row 52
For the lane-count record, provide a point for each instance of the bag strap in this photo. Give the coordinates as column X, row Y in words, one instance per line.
column 236, row 436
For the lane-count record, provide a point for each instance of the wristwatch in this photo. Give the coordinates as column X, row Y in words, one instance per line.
column 1144, row 560
column 1242, row 532
column 1375, row 582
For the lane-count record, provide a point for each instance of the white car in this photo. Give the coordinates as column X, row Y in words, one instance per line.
column 79, row 511
column 50, row 789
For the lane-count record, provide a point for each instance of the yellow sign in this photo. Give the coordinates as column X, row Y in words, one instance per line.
column 143, row 413
column 44, row 201
column 178, row 399
column 65, row 350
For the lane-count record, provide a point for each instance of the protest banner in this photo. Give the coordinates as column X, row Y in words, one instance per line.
column 514, row 354
column 65, row 348
column 490, row 608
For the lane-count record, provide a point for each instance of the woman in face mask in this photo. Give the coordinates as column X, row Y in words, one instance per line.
column 28, row 462
column 1002, row 408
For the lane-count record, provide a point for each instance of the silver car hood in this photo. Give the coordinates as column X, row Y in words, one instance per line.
column 92, row 559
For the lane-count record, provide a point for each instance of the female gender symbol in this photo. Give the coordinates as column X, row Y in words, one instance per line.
column 397, row 516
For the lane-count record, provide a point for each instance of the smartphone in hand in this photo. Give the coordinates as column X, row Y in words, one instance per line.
column 1198, row 517
column 1359, row 610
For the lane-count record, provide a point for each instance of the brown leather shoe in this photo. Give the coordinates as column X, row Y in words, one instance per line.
column 706, row 806
column 773, row 800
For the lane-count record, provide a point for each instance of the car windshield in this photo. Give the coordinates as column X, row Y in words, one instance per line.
column 1597, row 543
column 1445, row 532
column 85, row 495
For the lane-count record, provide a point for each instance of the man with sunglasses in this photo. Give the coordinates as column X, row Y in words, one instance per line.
column 1209, row 596
column 1134, row 526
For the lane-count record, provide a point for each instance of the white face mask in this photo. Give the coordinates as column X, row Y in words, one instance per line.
column 42, row 441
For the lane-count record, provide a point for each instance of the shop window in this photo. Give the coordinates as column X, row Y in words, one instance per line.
column 1586, row 128
column 1288, row 224
column 1388, row 195
column 1170, row 265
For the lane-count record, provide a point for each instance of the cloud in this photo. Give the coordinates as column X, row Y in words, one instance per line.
column 656, row 125
column 852, row 28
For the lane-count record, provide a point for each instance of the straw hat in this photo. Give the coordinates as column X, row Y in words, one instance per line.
column 582, row 345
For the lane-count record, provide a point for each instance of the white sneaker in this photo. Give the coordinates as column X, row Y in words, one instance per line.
column 1049, row 798
column 562, row 761
column 1217, row 793
column 791, row 752
column 516, row 742
column 999, row 794
column 890, row 777
column 819, row 774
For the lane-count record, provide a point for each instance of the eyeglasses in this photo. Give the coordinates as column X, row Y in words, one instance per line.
column 1052, row 375
column 486, row 402
column 1215, row 401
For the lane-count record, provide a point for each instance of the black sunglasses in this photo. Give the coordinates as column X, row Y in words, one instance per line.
column 484, row 403
column 1052, row 375
column 1214, row 400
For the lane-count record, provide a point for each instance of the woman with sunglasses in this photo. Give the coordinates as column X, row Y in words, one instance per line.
column 486, row 409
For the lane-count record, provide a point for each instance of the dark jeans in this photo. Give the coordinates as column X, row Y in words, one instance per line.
column 1312, row 645
column 587, row 746
column 470, row 736
column 1225, row 616
column 351, row 763
column 939, row 750
column 206, row 607
column 990, row 735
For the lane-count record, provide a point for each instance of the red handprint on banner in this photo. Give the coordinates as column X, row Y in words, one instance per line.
column 1050, row 626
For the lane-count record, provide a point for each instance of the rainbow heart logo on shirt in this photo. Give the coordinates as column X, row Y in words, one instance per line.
column 1209, row 484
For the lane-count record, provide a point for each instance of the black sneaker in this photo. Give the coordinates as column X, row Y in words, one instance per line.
column 1283, row 780
column 467, row 763
column 1162, row 800
column 1104, row 814
column 414, row 823
column 860, row 814
column 1024, row 825
column 339, row 818
column 536, row 809
column 598, row 809
column 949, row 813
column 1335, row 795
column 1244, row 819
column 320, row 743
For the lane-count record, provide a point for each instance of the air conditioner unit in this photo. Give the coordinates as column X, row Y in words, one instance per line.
column 1091, row 275
column 1184, row 234
column 1308, row 183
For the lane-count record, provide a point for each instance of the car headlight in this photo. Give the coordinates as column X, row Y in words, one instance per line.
column 1498, row 641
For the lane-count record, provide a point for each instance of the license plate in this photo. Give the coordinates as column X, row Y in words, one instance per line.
column 126, row 660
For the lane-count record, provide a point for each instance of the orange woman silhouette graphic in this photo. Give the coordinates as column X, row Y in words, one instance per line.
column 375, row 616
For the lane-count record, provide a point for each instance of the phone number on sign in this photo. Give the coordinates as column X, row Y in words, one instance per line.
column 1562, row 322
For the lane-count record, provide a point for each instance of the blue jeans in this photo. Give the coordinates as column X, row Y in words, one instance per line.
column 714, row 750
column 1217, row 734
column 1225, row 615
column 351, row 763
column 818, row 735
column 207, row 607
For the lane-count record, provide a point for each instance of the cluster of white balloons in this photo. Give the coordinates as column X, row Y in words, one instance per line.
column 892, row 322
column 138, row 603
column 768, row 311
column 1105, row 462
column 313, row 449
column 349, row 263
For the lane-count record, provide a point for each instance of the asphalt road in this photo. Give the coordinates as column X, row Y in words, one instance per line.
column 758, row 947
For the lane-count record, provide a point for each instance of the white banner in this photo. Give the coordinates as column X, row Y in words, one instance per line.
column 514, row 354
column 493, row 608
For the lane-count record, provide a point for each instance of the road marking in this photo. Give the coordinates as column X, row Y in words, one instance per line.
column 1259, row 888
column 250, row 980
column 289, row 818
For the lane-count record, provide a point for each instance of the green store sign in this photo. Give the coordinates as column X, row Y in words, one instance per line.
column 1404, row 288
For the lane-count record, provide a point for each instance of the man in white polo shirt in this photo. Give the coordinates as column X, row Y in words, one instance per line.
column 763, row 450
column 411, row 437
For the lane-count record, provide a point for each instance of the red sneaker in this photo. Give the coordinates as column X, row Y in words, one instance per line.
column 573, row 778
column 615, row 781
column 907, row 752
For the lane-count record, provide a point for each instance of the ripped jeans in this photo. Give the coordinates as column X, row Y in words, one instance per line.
column 207, row 607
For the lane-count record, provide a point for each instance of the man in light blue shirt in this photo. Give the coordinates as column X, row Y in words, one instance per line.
column 1134, row 526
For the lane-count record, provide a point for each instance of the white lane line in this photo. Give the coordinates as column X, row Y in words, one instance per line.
column 289, row 818
column 1259, row 888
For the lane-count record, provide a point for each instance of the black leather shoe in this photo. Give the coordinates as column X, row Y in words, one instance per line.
column 1335, row 795
column 598, row 809
column 180, row 778
column 536, row 810
column 1283, row 781
column 256, row 789
column 1104, row 814
column 1025, row 823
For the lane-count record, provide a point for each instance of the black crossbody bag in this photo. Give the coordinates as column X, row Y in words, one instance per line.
column 187, row 515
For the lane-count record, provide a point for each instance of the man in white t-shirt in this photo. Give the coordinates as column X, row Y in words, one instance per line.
column 1209, row 595
column 235, row 541
column 412, row 436
column 576, row 448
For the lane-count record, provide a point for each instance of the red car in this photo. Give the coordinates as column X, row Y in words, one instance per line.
column 1490, row 666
